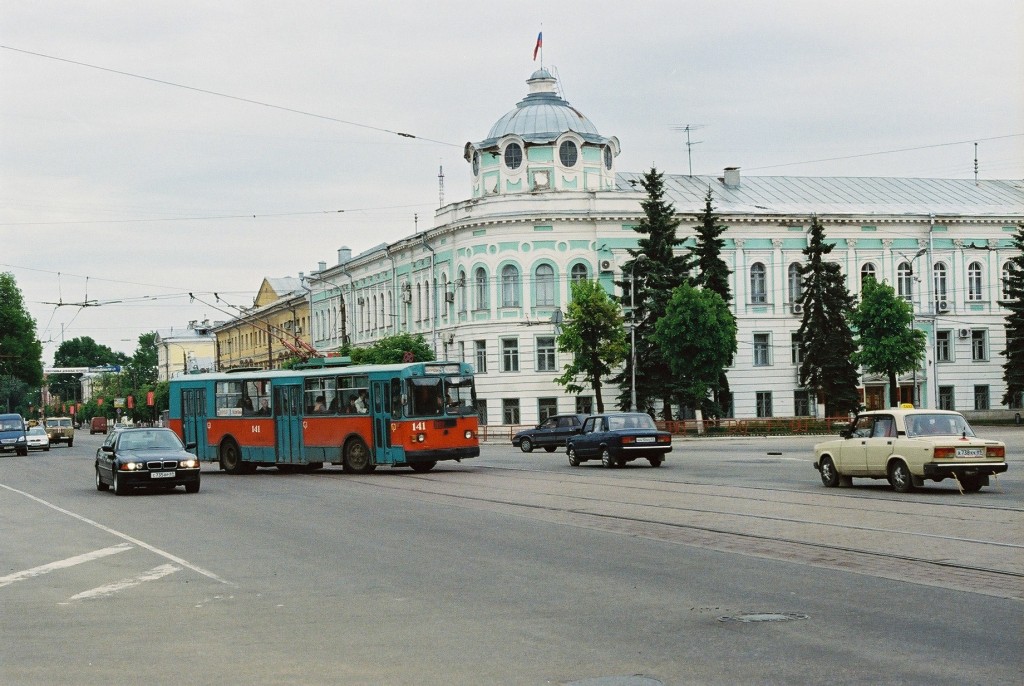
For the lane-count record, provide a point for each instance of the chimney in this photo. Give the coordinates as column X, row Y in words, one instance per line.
column 321, row 266
column 732, row 177
column 344, row 254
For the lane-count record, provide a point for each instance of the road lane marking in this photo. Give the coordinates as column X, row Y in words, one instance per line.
column 63, row 564
column 110, row 589
column 126, row 537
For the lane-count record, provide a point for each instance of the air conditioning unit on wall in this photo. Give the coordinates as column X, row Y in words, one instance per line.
column 964, row 333
column 942, row 306
column 607, row 266
column 797, row 308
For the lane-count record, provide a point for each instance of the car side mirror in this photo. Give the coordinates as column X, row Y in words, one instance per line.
column 846, row 433
column 190, row 446
column 107, row 449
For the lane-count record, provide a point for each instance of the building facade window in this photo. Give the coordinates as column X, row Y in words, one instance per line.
column 867, row 271
column 481, row 410
column 545, row 285
column 974, row 281
column 944, row 346
column 1006, row 281
column 462, row 351
column 460, row 290
column 946, row 398
column 584, row 404
column 764, row 403
column 939, row 283
column 509, row 354
column 481, row 298
column 579, row 272
column 795, row 354
column 979, row 345
column 510, row 410
column 546, row 407
column 758, row 283
column 480, row 350
column 802, row 402
column 905, row 281
column 796, row 288
column 509, row 286
column 546, row 354
column 513, row 156
column 567, row 153
column 981, row 398
column 762, row 350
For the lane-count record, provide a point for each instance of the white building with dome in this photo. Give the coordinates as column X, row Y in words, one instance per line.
column 488, row 281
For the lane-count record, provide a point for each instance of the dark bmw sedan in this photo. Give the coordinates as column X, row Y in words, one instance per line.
column 550, row 434
column 618, row 438
column 150, row 458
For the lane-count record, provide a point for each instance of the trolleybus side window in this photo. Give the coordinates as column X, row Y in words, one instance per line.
column 229, row 399
column 396, row 398
column 236, row 398
column 353, row 395
column 321, row 395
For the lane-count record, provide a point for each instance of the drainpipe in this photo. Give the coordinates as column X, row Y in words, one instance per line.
column 934, row 395
column 341, row 297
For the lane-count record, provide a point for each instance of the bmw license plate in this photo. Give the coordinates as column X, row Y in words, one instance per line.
column 970, row 452
column 645, row 439
column 161, row 475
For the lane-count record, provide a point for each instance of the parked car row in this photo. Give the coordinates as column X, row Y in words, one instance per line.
column 614, row 438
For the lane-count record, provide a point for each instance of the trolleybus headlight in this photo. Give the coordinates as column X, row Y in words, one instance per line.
column 420, row 438
column 469, row 434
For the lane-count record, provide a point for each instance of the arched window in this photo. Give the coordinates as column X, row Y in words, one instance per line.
column 419, row 303
column 513, row 156
column 509, row 286
column 579, row 272
column 758, row 283
column 867, row 271
column 796, row 288
column 461, row 290
column 1006, row 281
column 481, row 299
column 545, row 283
column 939, row 284
column 567, row 153
column 905, row 281
column 426, row 301
column 383, row 313
column 974, row 281
column 442, row 304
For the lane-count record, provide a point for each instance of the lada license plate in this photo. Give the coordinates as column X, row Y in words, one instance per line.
column 161, row 475
column 645, row 439
column 970, row 452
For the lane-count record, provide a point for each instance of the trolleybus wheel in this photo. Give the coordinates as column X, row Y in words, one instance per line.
column 422, row 466
column 231, row 458
column 357, row 457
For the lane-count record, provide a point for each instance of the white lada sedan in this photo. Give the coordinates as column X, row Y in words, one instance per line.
column 908, row 446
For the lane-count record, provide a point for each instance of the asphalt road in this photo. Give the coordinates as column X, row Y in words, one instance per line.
column 512, row 569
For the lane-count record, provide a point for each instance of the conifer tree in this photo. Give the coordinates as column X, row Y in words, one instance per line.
column 658, row 271
column 826, row 340
column 713, row 274
column 1013, row 300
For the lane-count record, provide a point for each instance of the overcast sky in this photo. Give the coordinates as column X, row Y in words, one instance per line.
column 120, row 188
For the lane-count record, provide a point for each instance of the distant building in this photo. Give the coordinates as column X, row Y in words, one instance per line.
column 185, row 351
column 272, row 331
column 487, row 283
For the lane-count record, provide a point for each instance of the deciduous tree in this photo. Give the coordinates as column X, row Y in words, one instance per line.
column 595, row 336
column 889, row 343
column 21, row 353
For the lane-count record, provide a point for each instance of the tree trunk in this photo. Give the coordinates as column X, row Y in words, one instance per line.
column 894, row 391
column 597, row 396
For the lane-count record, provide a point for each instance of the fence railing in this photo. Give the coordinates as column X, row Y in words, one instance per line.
column 767, row 426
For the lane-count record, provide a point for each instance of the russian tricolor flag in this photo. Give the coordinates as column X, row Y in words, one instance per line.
column 540, row 42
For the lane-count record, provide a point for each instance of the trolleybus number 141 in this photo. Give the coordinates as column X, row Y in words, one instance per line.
column 419, row 426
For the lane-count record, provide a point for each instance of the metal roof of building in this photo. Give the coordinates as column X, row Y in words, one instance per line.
column 806, row 195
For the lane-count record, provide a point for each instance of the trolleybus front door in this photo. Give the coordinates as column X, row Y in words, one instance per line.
column 193, row 418
column 383, row 451
column 288, row 423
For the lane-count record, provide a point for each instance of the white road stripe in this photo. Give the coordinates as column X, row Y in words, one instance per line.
column 62, row 564
column 126, row 537
column 110, row 589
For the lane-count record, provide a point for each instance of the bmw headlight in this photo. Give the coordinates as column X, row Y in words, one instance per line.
column 189, row 464
column 130, row 466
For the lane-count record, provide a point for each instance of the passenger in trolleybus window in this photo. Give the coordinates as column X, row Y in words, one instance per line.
column 360, row 402
column 264, row 410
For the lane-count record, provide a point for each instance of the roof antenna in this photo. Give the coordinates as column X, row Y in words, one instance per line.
column 689, row 144
column 440, row 185
column 975, row 164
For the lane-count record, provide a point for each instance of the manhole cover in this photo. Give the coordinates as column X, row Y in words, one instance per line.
column 763, row 617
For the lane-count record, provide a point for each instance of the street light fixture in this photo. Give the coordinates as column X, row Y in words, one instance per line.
column 632, row 330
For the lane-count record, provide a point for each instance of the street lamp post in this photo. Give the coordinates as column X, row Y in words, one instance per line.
column 913, row 275
column 632, row 330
